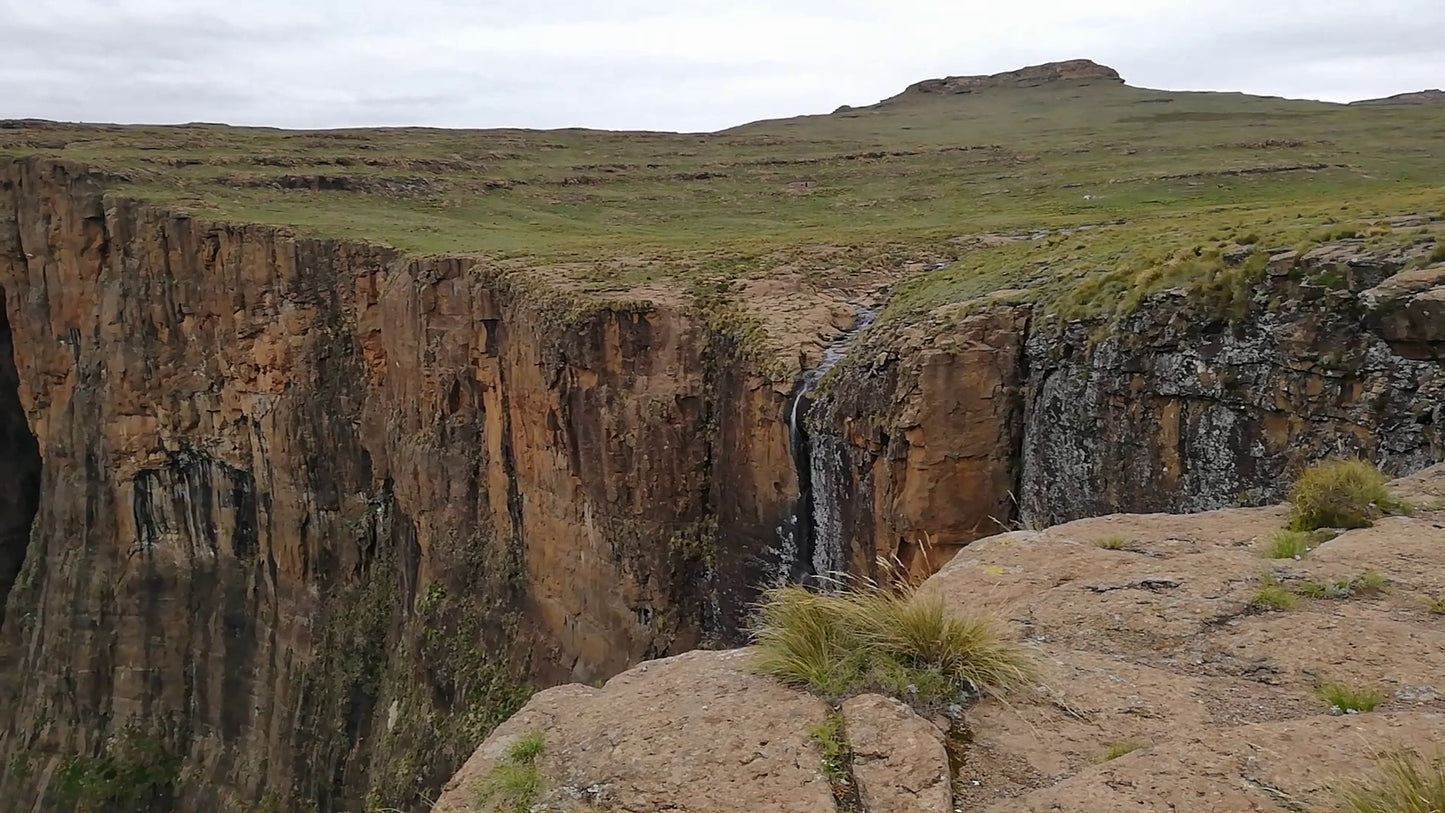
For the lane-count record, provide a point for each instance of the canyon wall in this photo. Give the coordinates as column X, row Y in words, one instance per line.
column 311, row 516
column 293, row 523
column 1003, row 418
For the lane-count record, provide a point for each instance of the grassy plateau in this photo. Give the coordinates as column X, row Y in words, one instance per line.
column 1077, row 192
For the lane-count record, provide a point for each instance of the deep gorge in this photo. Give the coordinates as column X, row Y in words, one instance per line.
column 312, row 515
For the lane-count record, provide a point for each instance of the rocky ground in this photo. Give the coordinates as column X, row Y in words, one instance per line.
column 1153, row 651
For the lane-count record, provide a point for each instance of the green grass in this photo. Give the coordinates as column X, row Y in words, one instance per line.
column 1372, row 582
column 1288, row 545
column 1368, row 583
column 1348, row 699
column 833, row 742
column 1340, row 494
column 1176, row 182
column 514, row 785
column 1435, row 605
column 870, row 638
column 1271, row 595
column 1119, row 749
column 1112, row 543
column 1405, row 783
column 526, row 748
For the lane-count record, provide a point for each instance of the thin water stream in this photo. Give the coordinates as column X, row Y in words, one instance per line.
column 810, row 542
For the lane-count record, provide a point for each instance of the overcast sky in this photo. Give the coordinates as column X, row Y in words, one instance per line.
column 662, row 64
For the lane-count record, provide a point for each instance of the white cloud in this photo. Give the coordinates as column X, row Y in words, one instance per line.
column 660, row 65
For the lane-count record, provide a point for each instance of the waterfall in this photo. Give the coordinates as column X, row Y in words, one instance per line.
column 827, row 482
column 811, row 540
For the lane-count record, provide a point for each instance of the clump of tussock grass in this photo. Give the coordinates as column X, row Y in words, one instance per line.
column 1405, row 783
column 1112, row 543
column 1340, row 494
column 890, row 639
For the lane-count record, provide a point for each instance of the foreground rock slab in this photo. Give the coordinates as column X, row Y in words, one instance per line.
column 693, row 734
column 899, row 761
column 1163, row 685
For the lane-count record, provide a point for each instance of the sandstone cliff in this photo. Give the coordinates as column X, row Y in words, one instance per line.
column 1165, row 685
column 313, row 515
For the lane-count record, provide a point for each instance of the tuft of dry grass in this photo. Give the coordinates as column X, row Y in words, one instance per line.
column 1112, row 543
column 1340, row 494
column 1119, row 749
column 1405, row 783
column 866, row 637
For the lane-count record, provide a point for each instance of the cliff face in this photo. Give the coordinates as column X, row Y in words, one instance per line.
column 1173, row 413
column 311, row 516
column 943, row 436
column 293, row 523
column 922, row 436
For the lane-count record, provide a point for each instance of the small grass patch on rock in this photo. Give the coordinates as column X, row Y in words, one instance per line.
column 1435, row 605
column 1405, row 783
column 514, row 785
column 1112, row 543
column 1271, row 595
column 1340, row 494
column 1369, row 583
column 1287, row 545
column 1344, row 699
column 832, row 742
column 1119, row 749
column 865, row 637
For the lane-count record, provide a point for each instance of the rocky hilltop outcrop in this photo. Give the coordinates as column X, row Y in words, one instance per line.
column 1431, row 96
column 1165, row 684
column 1072, row 70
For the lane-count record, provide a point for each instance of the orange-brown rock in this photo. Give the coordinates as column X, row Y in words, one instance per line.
column 313, row 515
column 929, row 435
